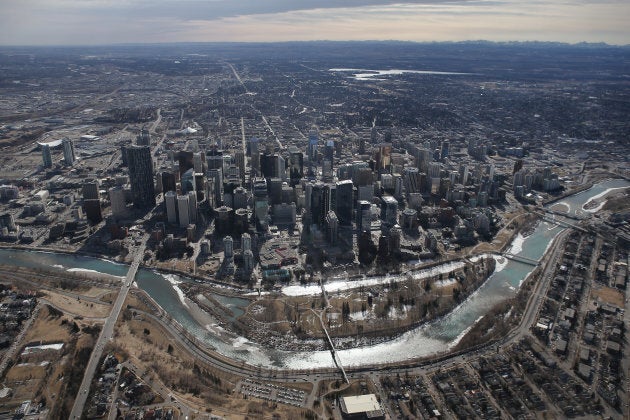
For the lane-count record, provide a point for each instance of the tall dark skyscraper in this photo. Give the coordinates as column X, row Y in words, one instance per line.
column 344, row 202
column 318, row 216
column 329, row 150
column 91, row 201
column 141, row 176
column 254, row 153
column 444, row 151
column 169, row 181
column 312, row 152
column 46, row 156
column 296, row 166
column 267, row 165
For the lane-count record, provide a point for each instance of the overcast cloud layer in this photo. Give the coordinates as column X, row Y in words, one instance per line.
column 76, row 22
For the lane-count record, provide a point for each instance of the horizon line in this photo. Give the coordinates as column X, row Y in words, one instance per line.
column 331, row 41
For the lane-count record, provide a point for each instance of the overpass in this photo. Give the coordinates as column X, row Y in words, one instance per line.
column 550, row 216
column 563, row 214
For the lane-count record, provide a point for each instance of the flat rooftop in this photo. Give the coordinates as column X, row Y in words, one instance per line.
column 360, row 404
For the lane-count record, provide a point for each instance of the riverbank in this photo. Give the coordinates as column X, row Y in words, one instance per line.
column 568, row 193
column 400, row 304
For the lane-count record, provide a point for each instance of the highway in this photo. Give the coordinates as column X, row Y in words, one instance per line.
column 540, row 290
column 106, row 332
column 244, row 144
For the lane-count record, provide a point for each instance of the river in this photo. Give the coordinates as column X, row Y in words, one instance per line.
column 432, row 338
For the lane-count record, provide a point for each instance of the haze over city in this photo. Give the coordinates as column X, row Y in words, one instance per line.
column 335, row 210
column 79, row 22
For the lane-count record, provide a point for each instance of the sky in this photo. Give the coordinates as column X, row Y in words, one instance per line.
column 93, row 22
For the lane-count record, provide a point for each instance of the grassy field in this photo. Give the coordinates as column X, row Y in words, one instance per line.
column 47, row 377
column 77, row 307
column 148, row 345
column 608, row 295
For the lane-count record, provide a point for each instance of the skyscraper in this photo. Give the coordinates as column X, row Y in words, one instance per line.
column 364, row 216
column 332, row 224
column 312, row 152
column 171, row 206
column 117, row 200
column 214, row 158
column 69, row 155
column 254, row 154
column 239, row 160
column 383, row 156
column 141, row 176
column 389, row 210
column 312, row 146
column 445, row 149
column 183, row 204
column 144, row 138
column 169, row 181
column 329, row 150
column 318, row 216
column 261, row 204
column 411, row 180
column 246, row 242
column 344, row 202
column 46, row 156
column 215, row 188
column 93, row 210
column 228, row 247
column 90, row 189
column 296, row 166
column 192, row 206
column 248, row 261
column 267, row 165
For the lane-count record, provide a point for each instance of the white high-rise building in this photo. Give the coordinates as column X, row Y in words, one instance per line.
column 184, row 212
column 171, row 206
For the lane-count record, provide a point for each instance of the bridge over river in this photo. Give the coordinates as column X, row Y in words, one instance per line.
column 521, row 259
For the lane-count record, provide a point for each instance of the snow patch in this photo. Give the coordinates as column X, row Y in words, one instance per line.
column 445, row 283
column 517, row 244
column 501, row 263
column 361, row 316
column 463, row 334
column 240, row 342
column 175, row 282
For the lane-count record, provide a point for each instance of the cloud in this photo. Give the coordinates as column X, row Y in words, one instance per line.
column 120, row 21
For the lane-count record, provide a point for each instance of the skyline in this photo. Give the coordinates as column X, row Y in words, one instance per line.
column 101, row 22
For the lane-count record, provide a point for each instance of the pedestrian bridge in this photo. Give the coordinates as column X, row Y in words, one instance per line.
column 521, row 259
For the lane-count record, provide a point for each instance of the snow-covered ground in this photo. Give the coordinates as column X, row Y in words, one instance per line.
column 342, row 285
